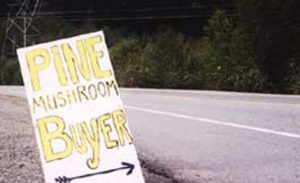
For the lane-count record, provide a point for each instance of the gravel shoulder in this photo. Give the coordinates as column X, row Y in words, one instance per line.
column 19, row 158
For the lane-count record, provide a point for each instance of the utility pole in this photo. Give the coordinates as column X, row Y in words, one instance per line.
column 20, row 31
column 25, row 31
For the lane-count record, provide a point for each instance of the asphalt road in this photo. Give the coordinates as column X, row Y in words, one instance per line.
column 203, row 136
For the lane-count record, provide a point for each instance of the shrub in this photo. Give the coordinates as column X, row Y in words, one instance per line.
column 230, row 63
column 171, row 61
column 11, row 74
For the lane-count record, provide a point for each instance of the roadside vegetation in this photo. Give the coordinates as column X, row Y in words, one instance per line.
column 256, row 49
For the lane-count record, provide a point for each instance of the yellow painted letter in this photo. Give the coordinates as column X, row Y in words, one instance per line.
column 92, row 137
column 46, row 137
column 35, row 68
column 106, row 129
column 119, row 119
column 95, row 56
column 59, row 67
column 72, row 62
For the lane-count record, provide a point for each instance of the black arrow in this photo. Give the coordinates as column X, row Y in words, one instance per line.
column 64, row 179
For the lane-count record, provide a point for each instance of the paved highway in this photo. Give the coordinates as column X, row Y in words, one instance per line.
column 203, row 136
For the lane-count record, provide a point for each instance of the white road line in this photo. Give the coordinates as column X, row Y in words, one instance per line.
column 216, row 122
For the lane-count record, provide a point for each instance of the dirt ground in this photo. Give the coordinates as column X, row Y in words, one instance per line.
column 19, row 159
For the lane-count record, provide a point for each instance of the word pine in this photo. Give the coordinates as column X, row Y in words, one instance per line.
column 88, row 59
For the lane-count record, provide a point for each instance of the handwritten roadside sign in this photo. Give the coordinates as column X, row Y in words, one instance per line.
column 79, row 120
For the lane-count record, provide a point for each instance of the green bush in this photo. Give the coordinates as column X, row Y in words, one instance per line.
column 171, row 61
column 11, row 74
column 126, row 57
column 255, row 51
column 293, row 79
column 165, row 59
column 229, row 61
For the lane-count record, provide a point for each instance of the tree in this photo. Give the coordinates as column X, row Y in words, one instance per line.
column 273, row 27
column 171, row 61
column 230, row 62
column 126, row 57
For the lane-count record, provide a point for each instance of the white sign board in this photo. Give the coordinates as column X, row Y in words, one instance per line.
column 79, row 120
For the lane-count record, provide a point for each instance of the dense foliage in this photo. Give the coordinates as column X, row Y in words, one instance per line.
column 255, row 50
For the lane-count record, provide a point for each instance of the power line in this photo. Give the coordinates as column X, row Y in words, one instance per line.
column 138, row 18
column 19, row 29
column 141, row 10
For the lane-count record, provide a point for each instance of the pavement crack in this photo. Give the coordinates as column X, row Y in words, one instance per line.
column 154, row 174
